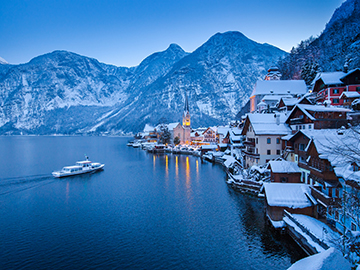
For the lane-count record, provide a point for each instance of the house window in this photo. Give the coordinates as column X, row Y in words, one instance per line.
column 257, row 151
column 358, row 89
column 337, row 195
column 301, row 146
column 284, row 179
column 268, row 140
column 257, row 140
column 277, row 140
column 309, row 126
column 335, row 91
column 278, row 151
column 353, row 226
column 335, row 100
column 268, row 152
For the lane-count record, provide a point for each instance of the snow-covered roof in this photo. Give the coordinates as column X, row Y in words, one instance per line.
column 290, row 101
column 306, row 109
column 148, row 128
column 210, row 146
column 288, row 195
column 350, row 95
column 280, row 87
column 283, row 166
column 229, row 160
column 265, row 124
column 326, row 260
column 171, row 126
column 275, row 97
column 351, row 71
column 330, row 78
column 223, row 130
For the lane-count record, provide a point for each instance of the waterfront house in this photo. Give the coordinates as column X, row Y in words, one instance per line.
column 331, row 85
column 263, row 134
column 209, row 136
column 293, row 197
column 316, row 117
column 283, row 171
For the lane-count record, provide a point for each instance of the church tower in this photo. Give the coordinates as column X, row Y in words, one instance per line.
column 186, row 115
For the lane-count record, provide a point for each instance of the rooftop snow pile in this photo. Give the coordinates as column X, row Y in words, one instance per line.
column 277, row 87
column 268, row 124
column 288, row 195
column 326, row 260
column 283, row 166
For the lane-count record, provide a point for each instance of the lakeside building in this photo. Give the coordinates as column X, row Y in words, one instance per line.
column 311, row 117
column 330, row 85
column 274, row 90
column 262, row 137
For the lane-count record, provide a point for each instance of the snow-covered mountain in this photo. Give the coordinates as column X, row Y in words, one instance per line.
column 3, row 61
column 63, row 92
column 338, row 44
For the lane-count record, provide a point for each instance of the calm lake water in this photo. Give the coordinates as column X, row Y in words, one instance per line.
column 142, row 212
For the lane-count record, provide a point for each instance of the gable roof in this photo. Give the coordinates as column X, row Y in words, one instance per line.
column 306, row 109
column 350, row 94
column 329, row 78
column 265, row 124
column 283, row 166
column 288, row 195
column 280, row 87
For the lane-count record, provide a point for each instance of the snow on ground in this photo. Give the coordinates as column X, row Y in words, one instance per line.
column 326, row 260
column 318, row 228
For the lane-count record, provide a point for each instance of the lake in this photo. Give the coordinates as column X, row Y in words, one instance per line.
column 144, row 211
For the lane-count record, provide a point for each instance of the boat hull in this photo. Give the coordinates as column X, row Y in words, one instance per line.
column 60, row 174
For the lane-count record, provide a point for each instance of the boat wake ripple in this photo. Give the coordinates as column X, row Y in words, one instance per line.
column 16, row 184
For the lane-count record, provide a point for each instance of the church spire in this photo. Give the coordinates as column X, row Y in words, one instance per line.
column 186, row 116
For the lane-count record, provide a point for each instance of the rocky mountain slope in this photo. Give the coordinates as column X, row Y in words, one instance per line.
column 338, row 44
column 63, row 92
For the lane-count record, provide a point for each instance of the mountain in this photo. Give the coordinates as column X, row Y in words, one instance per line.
column 63, row 92
column 218, row 78
column 3, row 61
column 338, row 44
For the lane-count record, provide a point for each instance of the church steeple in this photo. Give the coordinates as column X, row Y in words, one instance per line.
column 186, row 115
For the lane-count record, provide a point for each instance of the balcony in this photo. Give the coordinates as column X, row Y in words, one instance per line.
column 323, row 198
column 249, row 143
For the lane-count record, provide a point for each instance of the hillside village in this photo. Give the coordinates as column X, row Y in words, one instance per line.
column 298, row 147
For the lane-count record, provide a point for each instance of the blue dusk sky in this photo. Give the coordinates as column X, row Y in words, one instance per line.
column 124, row 32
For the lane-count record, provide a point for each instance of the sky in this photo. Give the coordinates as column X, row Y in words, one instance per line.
column 124, row 32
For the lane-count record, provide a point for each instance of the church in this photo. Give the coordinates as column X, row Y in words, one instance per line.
column 183, row 131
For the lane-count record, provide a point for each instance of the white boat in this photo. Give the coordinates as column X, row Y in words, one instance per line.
column 81, row 167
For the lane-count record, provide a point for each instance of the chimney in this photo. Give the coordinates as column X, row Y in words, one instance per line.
column 277, row 118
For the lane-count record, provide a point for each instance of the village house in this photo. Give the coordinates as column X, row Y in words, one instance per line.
column 294, row 198
column 274, row 90
column 316, row 117
column 263, row 134
column 331, row 85
column 283, row 171
column 209, row 136
column 287, row 104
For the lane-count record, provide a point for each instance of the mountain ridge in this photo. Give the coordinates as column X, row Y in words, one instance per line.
column 64, row 92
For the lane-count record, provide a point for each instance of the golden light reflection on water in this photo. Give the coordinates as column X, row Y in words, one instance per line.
column 177, row 167
column 197, row 170
column 154, row 162
column 187, row 173
column 166, row 168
